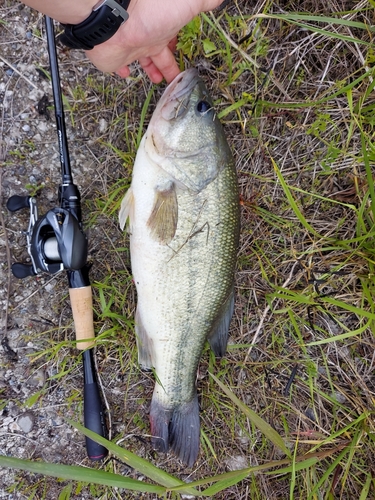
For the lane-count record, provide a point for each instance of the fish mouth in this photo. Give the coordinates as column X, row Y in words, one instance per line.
column 174, row 102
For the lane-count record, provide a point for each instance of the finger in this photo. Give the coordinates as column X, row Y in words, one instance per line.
column 166, row 64
column 155, row 75
column 151, row 70
column 123, row 72
column 172, row 44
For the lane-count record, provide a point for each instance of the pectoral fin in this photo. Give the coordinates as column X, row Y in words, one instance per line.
column 127, row 208
column 163, row 219
column 218, row 337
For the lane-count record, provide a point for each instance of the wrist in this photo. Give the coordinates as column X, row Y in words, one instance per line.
column 100, row 25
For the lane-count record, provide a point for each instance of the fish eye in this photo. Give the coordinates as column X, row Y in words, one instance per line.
column 203, row 107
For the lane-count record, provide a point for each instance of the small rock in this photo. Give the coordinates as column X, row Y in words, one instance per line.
column 310, row 414
column 26, row 128
column 14, row 427
column 56, row 422
column 340, row 398
column 8, row 98
column 49, row 287
column 237, row 463
column 187, row 497
column 37, row 379
column 7, row 421
column 322, row 370
column 42, row 126
column 102, row 125
column 26, row 421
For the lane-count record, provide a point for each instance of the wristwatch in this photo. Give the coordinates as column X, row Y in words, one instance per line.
column 103, row 22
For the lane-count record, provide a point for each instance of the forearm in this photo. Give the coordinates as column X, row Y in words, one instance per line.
column 67, row 11
column 76, row 11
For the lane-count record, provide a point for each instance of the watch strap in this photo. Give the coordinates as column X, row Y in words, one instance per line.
column 100, row 26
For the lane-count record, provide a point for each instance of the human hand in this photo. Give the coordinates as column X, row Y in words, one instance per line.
column 149, row 36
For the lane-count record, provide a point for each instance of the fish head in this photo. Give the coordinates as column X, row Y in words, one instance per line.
column 185, row 137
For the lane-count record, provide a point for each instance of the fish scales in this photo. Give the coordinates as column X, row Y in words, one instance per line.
column 203, row 278
column 183, row 265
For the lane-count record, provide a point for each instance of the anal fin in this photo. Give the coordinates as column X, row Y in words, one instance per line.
column 218, row 337
column 144, row 344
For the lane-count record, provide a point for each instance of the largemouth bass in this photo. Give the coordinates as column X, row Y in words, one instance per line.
column 183, row 213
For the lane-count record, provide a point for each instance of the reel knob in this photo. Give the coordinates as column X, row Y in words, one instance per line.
column 16, row 202
column 22, row 270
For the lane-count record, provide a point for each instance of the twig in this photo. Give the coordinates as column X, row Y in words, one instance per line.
column 37, row 291
column 4, row 337
column 18, row 72
column 290, row 381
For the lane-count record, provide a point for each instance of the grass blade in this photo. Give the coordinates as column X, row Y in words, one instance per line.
column 366, row 488
column 323, row 19
column 143, row 115
column 294, row 19
column 226, row 483
column 83, row 474
column 136, row 462
column 261, row 424
column 292, row 202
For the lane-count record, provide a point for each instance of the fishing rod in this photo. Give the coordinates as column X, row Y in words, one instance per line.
column 55, row 242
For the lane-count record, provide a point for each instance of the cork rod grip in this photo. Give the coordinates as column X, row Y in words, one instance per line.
column 81, row 301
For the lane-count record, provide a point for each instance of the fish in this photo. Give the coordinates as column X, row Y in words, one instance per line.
column 182, row 214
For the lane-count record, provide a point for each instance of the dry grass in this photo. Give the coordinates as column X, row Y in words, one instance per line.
column 297, row 107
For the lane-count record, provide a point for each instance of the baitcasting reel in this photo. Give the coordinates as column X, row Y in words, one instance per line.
column 55, row 241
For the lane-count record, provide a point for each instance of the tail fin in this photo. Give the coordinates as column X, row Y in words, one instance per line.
column 177, row 429
column 160, row 418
